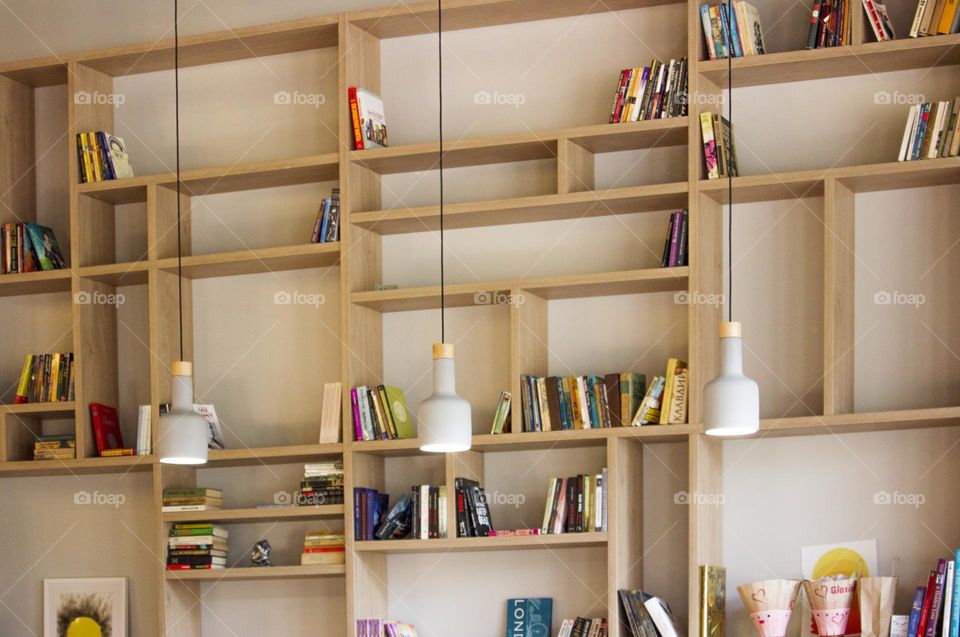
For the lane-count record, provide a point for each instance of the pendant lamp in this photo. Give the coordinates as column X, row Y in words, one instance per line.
column 444, row 419
column 731, row 401
column 182, row 433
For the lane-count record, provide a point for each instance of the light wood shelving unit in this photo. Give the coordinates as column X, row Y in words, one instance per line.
column 357, row 36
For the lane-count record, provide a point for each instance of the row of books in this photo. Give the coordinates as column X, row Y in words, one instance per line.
column 323, row 547
column 665, row 401
column 473, row 514
column 675, row 245
column 55, row 447
column 102, row 157
column 197, row 546
column 583, row 627
column 175, row 500
column 831, row 23
column 327, row 227
column 322, row 483
column 719, row 155
column 29, row 247
column 647, row 616
column 382, row 628
column 655, row 92
column 935, row 17
column 938, row 603
column 46, row 378
column 367, row 119
column 932, row 130
column 733, row 28
column 577, row 504
column 369, row 507
column 428, row 512
column 381, row 413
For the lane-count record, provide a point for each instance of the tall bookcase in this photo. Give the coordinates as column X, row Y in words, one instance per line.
column 357, row 38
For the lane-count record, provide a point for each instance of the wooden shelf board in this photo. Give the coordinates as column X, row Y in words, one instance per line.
column 401, row 19
column 257, row 515
column 132, row 273
column 122, row 464
column 554, row 287
column 815, row 64
column 499, row 543
column 772, row 187
column 42, row 282
column 292, row 454
column 610, row 138
column 580, row 437
column 256, row 261
column 41, row 410
column 258, row 573
column 862, row 422
column 406, row 447
column 44, row 71
column 526, row 209
column 221, row 179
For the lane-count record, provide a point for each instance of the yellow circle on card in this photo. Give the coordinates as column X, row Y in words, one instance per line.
column 84, row 627
column 840, row 561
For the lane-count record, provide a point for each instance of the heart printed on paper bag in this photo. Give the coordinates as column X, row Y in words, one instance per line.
column 821, row 591
column 760, row 595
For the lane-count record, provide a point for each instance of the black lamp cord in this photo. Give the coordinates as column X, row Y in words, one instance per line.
column 176, row 110
column 443, row 303
column 729, row 165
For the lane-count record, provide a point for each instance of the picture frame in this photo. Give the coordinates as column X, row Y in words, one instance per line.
column 85, row 607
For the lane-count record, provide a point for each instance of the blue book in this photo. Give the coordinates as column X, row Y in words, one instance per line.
column 955, row 606
column 326, row 220
column 734, row 30
column 530, row 617
column 915, row 611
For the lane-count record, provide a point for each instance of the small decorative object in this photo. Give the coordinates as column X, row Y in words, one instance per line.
column 85, row 607
column 830, row 600
column 770, row 604
column 260, row 555
column 899, row 625
column 877, row 595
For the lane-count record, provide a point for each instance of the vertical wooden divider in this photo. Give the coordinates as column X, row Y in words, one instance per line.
column 838, row 303
column 528, row 349
column 625, row 546
column 18, row 174
column 180, row 607
column 575, row 167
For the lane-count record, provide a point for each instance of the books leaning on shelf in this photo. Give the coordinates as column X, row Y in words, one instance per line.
column 46, row 378
column 144, row 428
column 106, row 431
column 665, row 402
column 656, row 92
column 935, row 17
column 879, row 20
column 675, row 246
column 55, row 447
column 473, row 514
column 102, row 157
column 326, row 229
column 192, row 499
column 720, row 157
column 580, row 402
column 932, row 130
column 29, row 247
column 381, row 628
column 330, row 424
column 369, row 506
column 733, row 26
column 530, row 616
column 323, row 547
column 831, row 23
column 367, row 119
column 647, row 615
column 197, row 546
column 577, row 504
column 584, row 626
column 937, row 604
column 380, row 413
column 322, row 484
column 501, row 418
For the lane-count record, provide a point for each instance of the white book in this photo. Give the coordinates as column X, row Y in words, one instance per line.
column 190, row 507
column 330, row 425
column 598, row 505
column 662, row 618
column 548, row 508
column 566, row 628
column 908, row 131
column 946, row 108
column 214, row 432
column 935, row 129
column 918, row 19
column 948, row 598
column 584, row 405
column 424, row 511
column 144, row 415
column 755, row 30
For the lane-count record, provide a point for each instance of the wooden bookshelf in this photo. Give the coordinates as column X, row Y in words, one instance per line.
column 267, row 514
column 35, row 283
column 256, row 573
column 499, row 543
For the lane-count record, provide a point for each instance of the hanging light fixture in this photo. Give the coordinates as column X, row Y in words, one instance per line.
column 444, row 419
column 731, row 401
column 182, row 432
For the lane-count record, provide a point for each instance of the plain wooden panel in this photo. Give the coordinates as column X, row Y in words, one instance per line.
column 839, row 299
column 18, row 175
column 625, row 548
column 575, row 167
column 705, row 541
column 162, row 228
column 95, row 351
column 529, row 346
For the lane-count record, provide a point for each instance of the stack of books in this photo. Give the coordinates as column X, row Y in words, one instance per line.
column 735, row 26
column 55, row 447
column 932, row 130
column 192, row 499
column 654, row 92
column 473, row 514
column 577, row 504
column 380, row 413
column 831, row 23
column 369, row 506
column 668, row 391
column 322, row 484
column 580, row 402
column 102, row 157
column 719, row 155
column 647, row 615
column 197, row 547
column 428, row 511
column 585, row 626
column 938, row 603
column 675, row 246
column 46, row 378
column 327, row 227
column 29, row 247
column 935, row 17
column 381, row 628
column 322, row 547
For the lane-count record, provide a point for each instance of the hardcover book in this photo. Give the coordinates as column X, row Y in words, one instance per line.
column 530, row 617
column 713, row 586
column 106, row 427
column 368, row 119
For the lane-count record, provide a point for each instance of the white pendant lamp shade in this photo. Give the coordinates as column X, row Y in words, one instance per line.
column 182, row 433
column 444, row 419
column 731, row 401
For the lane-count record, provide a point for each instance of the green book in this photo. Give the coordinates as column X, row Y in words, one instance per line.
column 402, row 418
column 632, row 389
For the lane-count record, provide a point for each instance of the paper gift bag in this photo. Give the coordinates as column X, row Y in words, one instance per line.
column 877, row 595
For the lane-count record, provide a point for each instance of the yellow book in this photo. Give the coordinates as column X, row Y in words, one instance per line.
column 54, row 377
column 673, row 365
column 946, row 20
column 86, row 166
column 94, row 149
column 631, row 97
column 23, row 388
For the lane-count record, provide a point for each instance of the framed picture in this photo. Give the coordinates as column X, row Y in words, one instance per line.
column 85, row 607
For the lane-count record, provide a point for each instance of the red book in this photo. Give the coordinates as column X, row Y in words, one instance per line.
column 927, row 603
column 106, row 427
column 355, row 118
column 325, row 549
column 937, row 604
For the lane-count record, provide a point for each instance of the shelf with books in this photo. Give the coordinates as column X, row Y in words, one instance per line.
column 497, row 543
column 574, row 205
column 42, row 282
column 266, row 514
column 273, row 455
column 257, row 573
column 255, row 261
column 841, row 61
column 555, row 287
